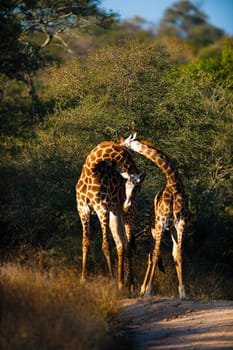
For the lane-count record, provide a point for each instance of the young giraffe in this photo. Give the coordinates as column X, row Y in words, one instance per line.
column 169, row 211
column 102, row 189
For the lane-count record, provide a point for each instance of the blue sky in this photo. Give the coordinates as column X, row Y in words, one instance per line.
column 219, row 12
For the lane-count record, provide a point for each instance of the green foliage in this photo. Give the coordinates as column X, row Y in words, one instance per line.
column 218, row 68
column 37, row 195
column 119, row 86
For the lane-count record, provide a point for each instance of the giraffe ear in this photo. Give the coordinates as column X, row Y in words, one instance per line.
column 133, row 136
column 129, row 139
column 125, row 175
column 120, row 138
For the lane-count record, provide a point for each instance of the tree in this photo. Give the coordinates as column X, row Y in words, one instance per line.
column 21, row 51
column 19, row 20
column 11, row 31
column 186, row 21
column 52, row 18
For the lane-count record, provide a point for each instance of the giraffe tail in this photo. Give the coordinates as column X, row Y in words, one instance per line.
column 160, row 265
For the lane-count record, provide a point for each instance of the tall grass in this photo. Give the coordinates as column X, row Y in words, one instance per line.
column 51, row 310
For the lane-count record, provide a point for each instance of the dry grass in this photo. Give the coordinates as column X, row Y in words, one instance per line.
column 51, row 310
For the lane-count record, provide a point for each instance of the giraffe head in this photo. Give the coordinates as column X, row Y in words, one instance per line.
column 132, row 187
column 127, row 142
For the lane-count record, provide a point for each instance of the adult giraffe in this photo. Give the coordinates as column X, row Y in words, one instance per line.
column 102, row 189
column 170, row 212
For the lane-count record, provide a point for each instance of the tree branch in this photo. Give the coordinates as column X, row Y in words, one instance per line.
column 63, row 42
column 48, row 35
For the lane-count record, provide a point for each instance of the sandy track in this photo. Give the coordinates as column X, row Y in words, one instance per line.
column 168, row 324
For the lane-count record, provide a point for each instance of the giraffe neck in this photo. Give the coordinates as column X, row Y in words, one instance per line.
column 162, row 161
column 110, row 151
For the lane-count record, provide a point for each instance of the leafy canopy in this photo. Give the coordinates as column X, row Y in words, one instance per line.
column 21, row 20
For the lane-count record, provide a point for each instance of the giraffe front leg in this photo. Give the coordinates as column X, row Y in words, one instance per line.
column 103, row 218
column 148, row 270
column 107, row 255
column 118, row 234
column 130, row 272
column 120, row 267
column 177, row 238
column 85, row 250
column 129, row 258
column 152, row 262
column 85, row 242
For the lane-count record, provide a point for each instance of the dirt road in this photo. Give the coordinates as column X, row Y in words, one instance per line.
column 168, row 324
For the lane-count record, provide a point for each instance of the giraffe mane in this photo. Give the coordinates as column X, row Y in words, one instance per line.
column 160, row 152
column 149, row 144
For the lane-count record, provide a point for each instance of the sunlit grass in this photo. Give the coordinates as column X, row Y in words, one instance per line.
column 51, row 310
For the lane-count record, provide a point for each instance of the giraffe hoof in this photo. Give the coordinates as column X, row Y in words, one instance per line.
column 142, row 292
column 82, row 280
column 147, row 293
column 182, row 294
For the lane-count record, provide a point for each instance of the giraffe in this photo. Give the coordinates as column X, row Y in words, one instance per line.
column 170, row 212
column 103, row 190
